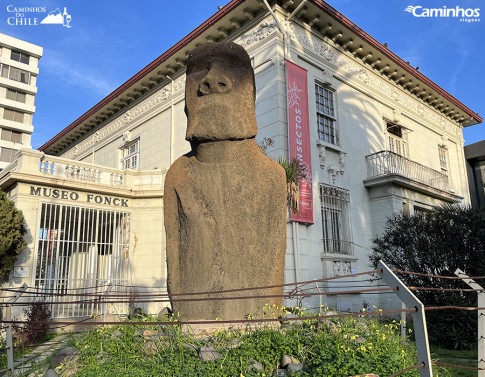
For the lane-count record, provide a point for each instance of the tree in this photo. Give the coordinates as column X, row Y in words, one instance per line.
column 437, row 243
column 12, row 231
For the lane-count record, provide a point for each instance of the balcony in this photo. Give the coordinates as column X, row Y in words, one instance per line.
column 35, row 167
column 388, row 167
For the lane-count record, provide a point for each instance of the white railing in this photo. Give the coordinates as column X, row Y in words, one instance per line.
column 386, row 163
column 78, row 172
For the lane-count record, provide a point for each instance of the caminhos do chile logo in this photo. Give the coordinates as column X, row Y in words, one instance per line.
column 463, row 14
column 30, row 16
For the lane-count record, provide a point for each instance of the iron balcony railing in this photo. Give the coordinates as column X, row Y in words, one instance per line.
column 386, row 163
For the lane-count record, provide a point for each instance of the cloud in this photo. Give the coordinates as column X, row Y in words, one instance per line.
column 74, row 74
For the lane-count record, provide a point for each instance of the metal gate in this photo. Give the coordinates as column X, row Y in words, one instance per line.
column 81, row 257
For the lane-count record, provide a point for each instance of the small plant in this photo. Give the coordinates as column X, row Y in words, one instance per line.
column 38, row 317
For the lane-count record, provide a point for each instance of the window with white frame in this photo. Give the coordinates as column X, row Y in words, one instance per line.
column 16, row 95
column 130, row 155
column 20, row 57
column 326, row 114
column 443, row 155
column 12, row 136
column 7, row 154
column 14, row 115
column 15, row 74
column 335, row 205
column 395, row 139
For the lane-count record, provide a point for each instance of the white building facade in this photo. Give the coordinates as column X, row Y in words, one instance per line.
column 383, row 138
column 19, row 62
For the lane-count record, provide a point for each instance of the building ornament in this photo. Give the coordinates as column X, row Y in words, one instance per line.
column 263, row 30
column 345, row 65
column 127, row 117
column 332, row 171
column 322, row 152
column 341, row 268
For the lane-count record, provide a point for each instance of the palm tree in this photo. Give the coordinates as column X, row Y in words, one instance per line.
column 295, row 171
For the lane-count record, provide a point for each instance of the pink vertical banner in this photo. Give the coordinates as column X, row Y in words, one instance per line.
column 299, row 136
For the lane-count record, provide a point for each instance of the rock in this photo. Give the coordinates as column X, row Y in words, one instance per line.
column 116, row 334
column 208, row 353
column 51, row 373
column 295, row 367
column 67, row 356
column 254, row 364
column 286, row 360
column 294, row 321
column 225, row 201
column 165, row 313
column 147, row 334
column 150, row 348
column 279, row 373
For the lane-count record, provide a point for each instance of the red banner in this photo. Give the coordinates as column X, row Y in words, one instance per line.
column 299, row 136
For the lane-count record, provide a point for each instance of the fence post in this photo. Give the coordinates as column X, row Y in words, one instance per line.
column 481, row 319
column 419, row 318
column 8, row 318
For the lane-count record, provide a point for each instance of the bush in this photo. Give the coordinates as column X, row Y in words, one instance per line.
column 12, row 231
column 437, row 243
column 38, row 318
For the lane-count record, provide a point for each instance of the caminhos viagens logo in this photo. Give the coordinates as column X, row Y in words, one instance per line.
column 458, row 12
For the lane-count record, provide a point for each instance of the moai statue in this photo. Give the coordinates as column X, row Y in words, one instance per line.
column 225, row 201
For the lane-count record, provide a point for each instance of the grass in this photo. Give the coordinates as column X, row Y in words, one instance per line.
column 342, row 347
column 465, row 358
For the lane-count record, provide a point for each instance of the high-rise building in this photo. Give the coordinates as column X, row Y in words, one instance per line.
column 19, row 62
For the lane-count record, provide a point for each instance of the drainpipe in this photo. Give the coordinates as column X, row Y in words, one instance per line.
column 297, row 9
column 172, row 118
column 287, row 56
column 286, row 41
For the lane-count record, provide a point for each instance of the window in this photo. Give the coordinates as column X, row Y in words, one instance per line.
column 13, row 136
column 13, row 115
column 7, row 154
column 20, row 57
column 326, row 119
column 130, row 156
column 395, row 139
column 443, row 155
column 335, row 203
column 15, row 74
column 15, row 95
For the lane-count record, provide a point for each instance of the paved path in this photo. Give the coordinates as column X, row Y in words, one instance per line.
column 39, row 354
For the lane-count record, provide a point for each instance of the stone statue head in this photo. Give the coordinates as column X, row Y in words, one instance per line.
column 219, row 94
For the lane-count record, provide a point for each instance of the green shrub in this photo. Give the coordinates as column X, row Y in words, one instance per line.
column 347, row 346
column 437, row 243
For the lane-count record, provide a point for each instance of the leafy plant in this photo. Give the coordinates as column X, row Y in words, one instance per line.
column 295, row 172
column 349, row 346
column 12, row 231
column 437, row 243
column 38, row 317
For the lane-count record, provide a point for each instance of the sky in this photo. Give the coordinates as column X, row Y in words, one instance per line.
column 109, row 41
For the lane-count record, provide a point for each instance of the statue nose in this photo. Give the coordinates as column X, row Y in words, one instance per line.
column 215, row 83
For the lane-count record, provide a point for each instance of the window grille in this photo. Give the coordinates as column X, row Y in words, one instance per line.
column 326, row 119
column 335, row 205
column 80, row 251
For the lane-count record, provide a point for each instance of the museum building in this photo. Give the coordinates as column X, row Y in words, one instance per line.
column 377, row 135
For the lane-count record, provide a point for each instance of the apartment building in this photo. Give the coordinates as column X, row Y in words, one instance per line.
column 379, row 137
column 19, row 68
